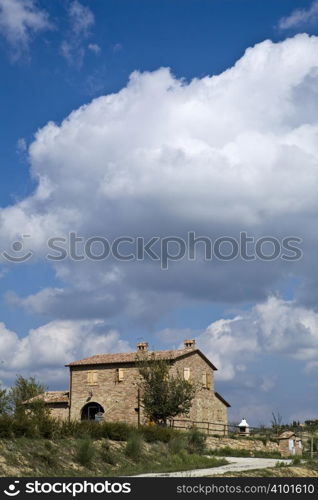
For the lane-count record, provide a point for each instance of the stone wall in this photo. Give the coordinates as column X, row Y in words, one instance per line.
column 241, row 444
column 59, row 410
column 206, row 406
column 119, row 399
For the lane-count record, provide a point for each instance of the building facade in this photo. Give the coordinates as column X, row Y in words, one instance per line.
column 107, row 386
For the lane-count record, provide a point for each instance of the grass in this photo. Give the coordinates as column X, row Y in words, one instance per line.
column 80, row 457
column 234, row 452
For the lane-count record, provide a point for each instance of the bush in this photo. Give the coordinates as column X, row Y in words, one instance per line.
column 85, row 452
column 6, row 427
column 230, row 452
column 107, row 454
column 47, row 456
column 177, row 445
column 196, row 441
column 153, row 433
column 296, row 460
column 134, row 447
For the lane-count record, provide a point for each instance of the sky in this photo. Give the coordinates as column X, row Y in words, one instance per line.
column 143, row 119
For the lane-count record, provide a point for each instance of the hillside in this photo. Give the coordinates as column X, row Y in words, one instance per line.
column 86, row 457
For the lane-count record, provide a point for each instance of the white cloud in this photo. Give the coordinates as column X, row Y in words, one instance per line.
column 300, row 17
column 236, row 151
column 81, row 20
column 94, row 47
column 20, row 20
column 44, row 350
column 275, row 326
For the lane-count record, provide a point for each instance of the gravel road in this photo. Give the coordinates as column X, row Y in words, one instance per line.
column 235, row 464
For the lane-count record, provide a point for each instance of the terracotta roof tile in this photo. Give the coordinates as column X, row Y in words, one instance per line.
column 286, row 435
column 131, row 357
column 51, row 397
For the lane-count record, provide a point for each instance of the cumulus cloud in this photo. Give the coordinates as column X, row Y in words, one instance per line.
column 81, row 20
column 275, row 326
column 20, row 20
column 300, row 17
column 44, row 350
column 217, row 155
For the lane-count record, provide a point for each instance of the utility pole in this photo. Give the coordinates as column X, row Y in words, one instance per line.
column 138, row 400
column 312, row 446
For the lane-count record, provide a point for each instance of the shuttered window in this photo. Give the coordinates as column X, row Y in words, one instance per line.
column 120, row 374
column 92, row 377
column 186, row 373
column 206, row 380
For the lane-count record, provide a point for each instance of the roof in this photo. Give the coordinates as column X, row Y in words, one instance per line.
column 51, row 397
column 132, row 357
column 286, row 435
column 222, row 400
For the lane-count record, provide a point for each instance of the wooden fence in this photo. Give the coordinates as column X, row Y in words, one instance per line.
column 220, row 429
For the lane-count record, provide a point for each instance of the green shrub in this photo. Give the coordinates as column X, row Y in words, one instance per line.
column 177, row 444
column 25, row 426
column 230, row 452
column 106, row 453
column 48, row 456
column 296, row 460
column 134, row 447
column 153, row 433
column 6, row 426
column 196, row 441
column 85, row 452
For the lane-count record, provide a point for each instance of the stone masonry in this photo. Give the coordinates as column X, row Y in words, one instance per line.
column 108, row 385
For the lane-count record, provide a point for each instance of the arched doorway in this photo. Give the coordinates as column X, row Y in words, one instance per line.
column 90, row 409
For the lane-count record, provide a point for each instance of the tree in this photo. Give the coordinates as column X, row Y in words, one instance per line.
column 24, row 389
column 276, row 422
column 163, row 396
column 4, row 402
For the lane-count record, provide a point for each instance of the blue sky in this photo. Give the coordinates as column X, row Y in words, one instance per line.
column 72, row 52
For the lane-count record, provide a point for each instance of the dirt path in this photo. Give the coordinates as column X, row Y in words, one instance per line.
column 235, row 464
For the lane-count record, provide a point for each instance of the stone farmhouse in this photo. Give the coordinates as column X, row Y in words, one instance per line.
column 106, row 386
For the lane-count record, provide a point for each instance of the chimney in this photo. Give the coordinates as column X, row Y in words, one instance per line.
column 142, row 346
column 189, row 344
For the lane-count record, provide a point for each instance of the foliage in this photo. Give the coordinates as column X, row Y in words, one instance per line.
column 276, row 421
column 45, row 458
column 196, row 441
column 177, row 444
column 4, row 402
column 154, row 433
column 234, row 452
column 44, row 426
column 134, row 447
column 163, row 396
column 23, row 390
column 85, row 452
column 296, row 460
column 107, row 455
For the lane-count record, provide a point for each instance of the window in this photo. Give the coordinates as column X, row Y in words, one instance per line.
column 209, row 380
column 219, row 415
column 206, row 380
column 120, row 374
column 186, row 373
column 92, row 377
